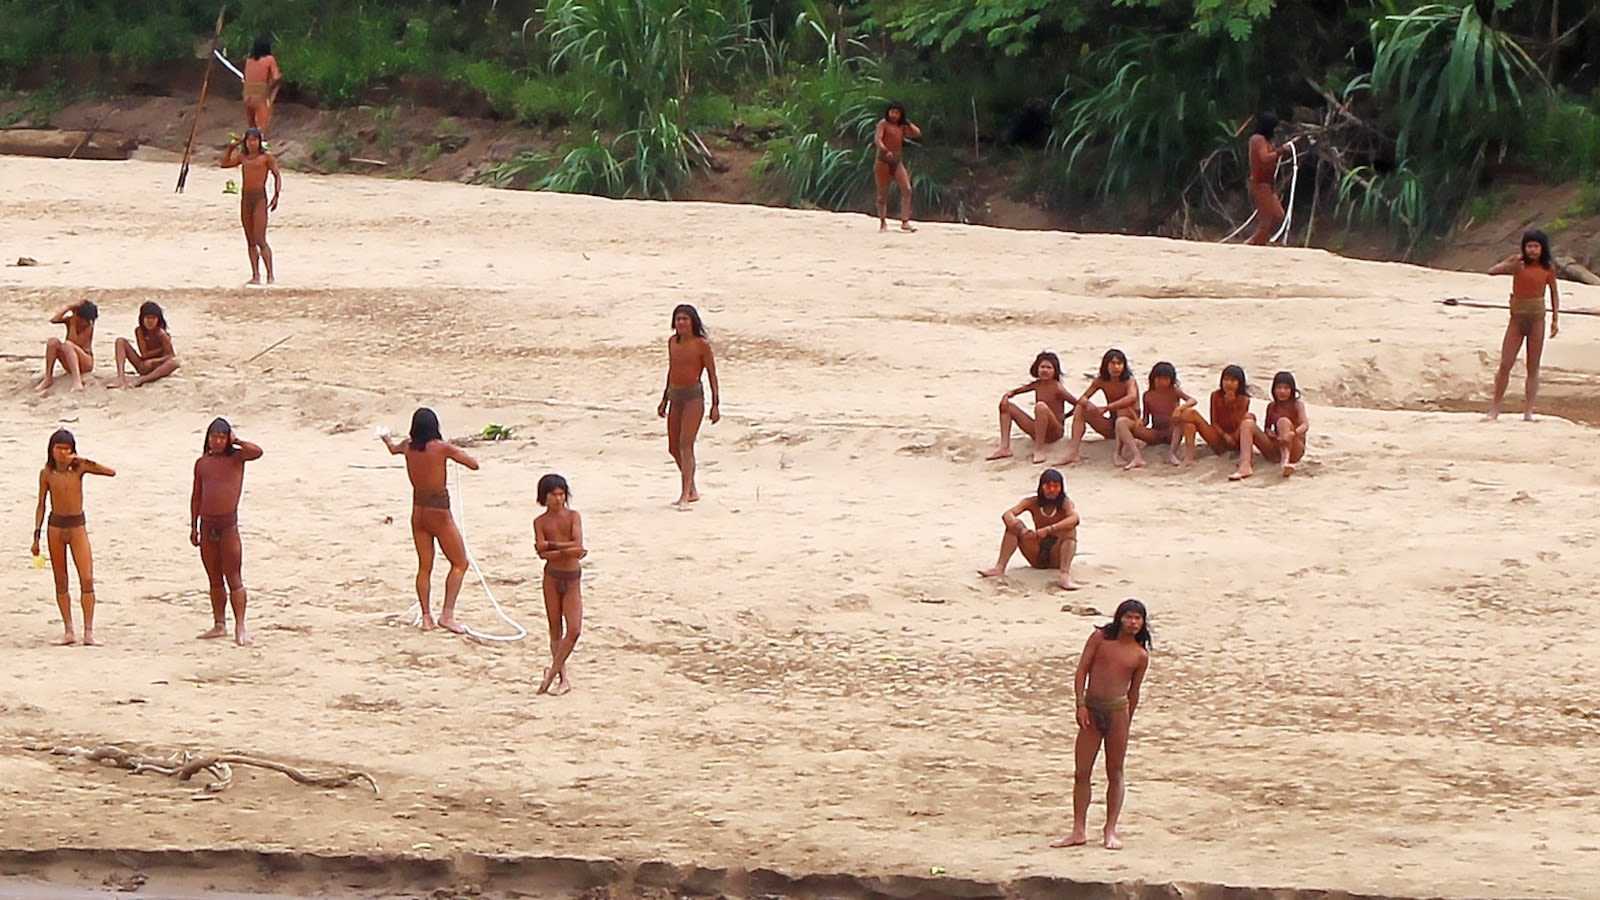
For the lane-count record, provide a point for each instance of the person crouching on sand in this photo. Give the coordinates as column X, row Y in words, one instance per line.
column 76, row 352
column 1052, row 403
column 1114, row 382
column 1230, row 403
column 61, row 481
column 558, row 539
column 1532, row 273
column 1163, row 400
column 1284, row 435
column 427, row 454
column 153, row 357
column 1106, row 685
column 214, row 525
column 1052, row 542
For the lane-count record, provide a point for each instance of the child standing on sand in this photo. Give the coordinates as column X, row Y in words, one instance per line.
column 558, row 539
column 61, row 482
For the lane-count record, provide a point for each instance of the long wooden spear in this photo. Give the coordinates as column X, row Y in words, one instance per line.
column 194, row 124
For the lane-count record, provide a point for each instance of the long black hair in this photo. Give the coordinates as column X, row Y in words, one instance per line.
column 1266, row 123
column 894, row 105
column 1114, row 630
column 219, row 425
column 1535, row 236
column 696, row 325
column 1045, row 357
column 1105, row 365
column 262, row 46
column 1285, row 378
column 424, row 428
column 1236, row 372
column 553, row 482
column 1163, row 370
column 86, row 311
column 1046, row 477
column 152, row 308
column 61, row 436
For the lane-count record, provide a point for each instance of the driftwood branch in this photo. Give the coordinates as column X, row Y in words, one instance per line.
column 184, row 765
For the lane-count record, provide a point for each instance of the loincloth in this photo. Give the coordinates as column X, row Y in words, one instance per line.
column 255, row 90
column 685, row 393
column 60, row 521
column 215, row 528
column 1101, row 709
column 439, row 499
column 564, row 578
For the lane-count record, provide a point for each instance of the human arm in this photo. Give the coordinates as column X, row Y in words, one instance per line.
column 1066, row 523
column 38, row 513
column 163, row 350
column 1133, row 686
column 1185, row 401
column 711, row 376
column 1030, row 386
column 66, row 313
column 90, row 467
column 877, row 136
column 1080, row 678
column 573, row 549
column 274, row 79
column 229, row 159
column 1555, row 307
column 247, row 450
column 912, row 131
column 1305, row 419
column 1013, row 517
column 277, row 181
column 194, row 507
column 395, row 447
column 460, row 456
column 1508, row 266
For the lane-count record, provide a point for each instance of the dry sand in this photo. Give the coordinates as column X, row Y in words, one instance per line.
column 1377, row 676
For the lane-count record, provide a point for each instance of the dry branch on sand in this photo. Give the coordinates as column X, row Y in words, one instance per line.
column 184, row 765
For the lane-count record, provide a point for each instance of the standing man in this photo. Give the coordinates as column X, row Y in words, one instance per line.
column 1263, row 173
column 1106, row 685
column 427, row 456
column 890, row 139
column 262, row 78
column 214, row 524
column 254, row 164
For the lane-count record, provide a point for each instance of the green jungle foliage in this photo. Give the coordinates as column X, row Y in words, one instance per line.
column 1109, row 102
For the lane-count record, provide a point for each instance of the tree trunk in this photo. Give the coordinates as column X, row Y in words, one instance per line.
column 53, row 144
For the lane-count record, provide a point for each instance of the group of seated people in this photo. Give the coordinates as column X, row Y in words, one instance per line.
column 150, row 353
column 1163, row 414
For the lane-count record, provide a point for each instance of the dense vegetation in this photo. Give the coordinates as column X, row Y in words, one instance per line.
column 1134, row 103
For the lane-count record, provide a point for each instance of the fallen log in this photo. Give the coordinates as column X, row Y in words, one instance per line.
column 1573, row 270
column 51, row 143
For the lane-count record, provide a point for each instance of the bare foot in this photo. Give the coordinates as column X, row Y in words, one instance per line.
column 1112, row 842
column 908, row 228
column 1066, row 583
column 271, row 280
column 449, row 623
column 544, row 686
column 77, row 386
column 256, row 281
column 681, row 505
column 217, row 630
column 1492, row 414
column 1241, row 475
column 1002, row 453
column 67, row 640
column 1038, row 459
column 121, row 382
column 883, row 227
column 1069, row 460
column 89, row 640
column 1137, row 463
column 1075, row 839
column 242, row 637
column 45, row 385
column 560, row 687
column 1173, row 459
column 991, row 573
column 1529, row 417
column 694, row 496
column 428, row 624
column 1288, row 469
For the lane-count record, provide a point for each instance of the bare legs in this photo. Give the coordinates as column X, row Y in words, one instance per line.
column 1011, row 542
column 564, row 610
column 74, row 359
column 224, row 558
column 1085, row 751
column 902, row 180
column 59, row 540
column 1269, row 211
column 1252, row 437
column 127, row 355
column 1133, row 437
column 1042, row 425
column 1086, row 415
column 1509, row 345
column 683, row 426
column 426, row 526
column 253, row 215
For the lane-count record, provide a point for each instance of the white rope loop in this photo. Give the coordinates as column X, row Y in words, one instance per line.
column 1288, row 211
